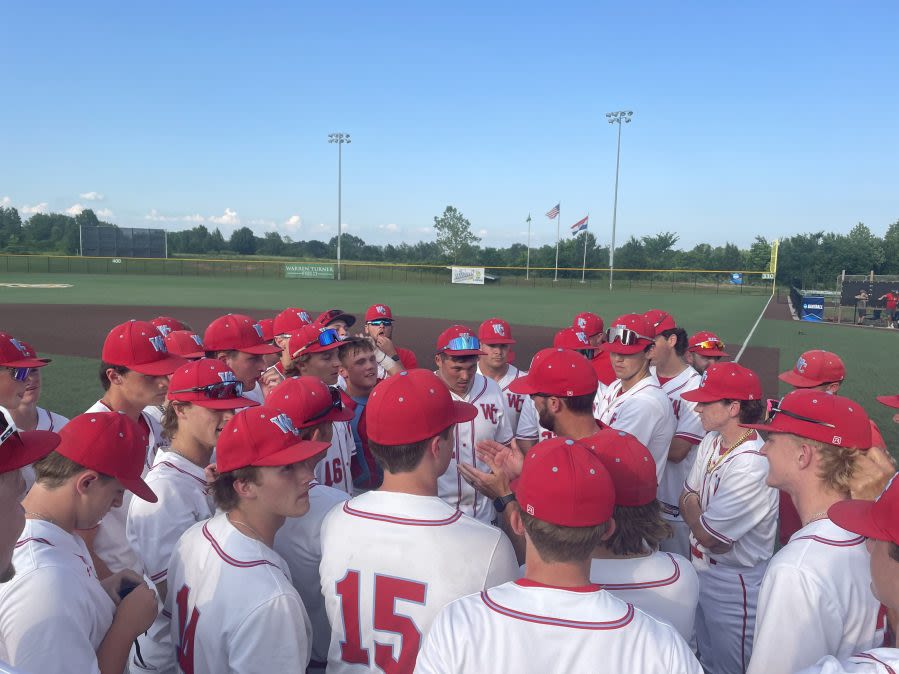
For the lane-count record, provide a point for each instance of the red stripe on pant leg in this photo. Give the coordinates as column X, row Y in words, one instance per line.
column 745, row 619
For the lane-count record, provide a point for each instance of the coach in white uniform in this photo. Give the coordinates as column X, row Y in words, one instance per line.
column 731, row 513
column 554, row 619
column 496, row 339
column 230, row 596
column 817, row 587
column 635, row 402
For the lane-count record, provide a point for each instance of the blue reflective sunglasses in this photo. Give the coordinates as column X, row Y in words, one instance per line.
column 19, row 373
column 469, row 343
column 381, row 321
column 325, row 338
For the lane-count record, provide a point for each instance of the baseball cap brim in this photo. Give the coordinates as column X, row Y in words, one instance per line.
column 698, row 395
column 26, row 362
column 192, row 355
column 618, row 347
column 26, row 447
column 855, row 516
column 463, row 412
column 889, row 401
column 349, row 319
column 497, row 340
column 464, row 352
column 260, row 349
column 318, row 348
column 139, row 488
column 158, row 368
column 772, row 427
column 524, row 385
column 711, row 353
column 797, row 380
column 301, row 451
column 224, row 403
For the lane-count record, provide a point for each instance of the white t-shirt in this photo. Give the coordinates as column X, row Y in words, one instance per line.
column 529, row 427
column 525, row 627
column 644, row 411
column 334, row 469
column 875, row 661
column 111, row 543
column 390, row 562
column 153, row 529
column 232, row 599
column 689, row 428
column 46, row 421
column 491, row 423
column 817, row 590
column 738, row 507
column 662, row 584
column 255, row 394
column 299, row 543
column 512, row 402
column 54, row 613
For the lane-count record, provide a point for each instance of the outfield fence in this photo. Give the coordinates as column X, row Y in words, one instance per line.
column 655, row 280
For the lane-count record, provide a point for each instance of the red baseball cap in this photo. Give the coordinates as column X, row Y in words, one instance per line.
column 109, row 443
column 630, row 465
column 138, row 346
column 660, row 320
column 557, row 372
column 631, row 328
column 495, row 331
column 327, row 317
column 291, row 320
column 877, row 519
column 308, row 401
column 262, row 437
column 209, row 383
column 167, row 324
column 574, row 339
column 565, row 483
column 588, row 323
column 820, row 416
column 707, row 344
column 814, row 368
column 889, row 401
column 236, row 332
column 31, row 353
column 185, row 343
column 413, row 406
column 14, row 354
column 458, row 340
column 378, row 312
column 726, row 381
column 268, row 329
column 22, row 448
column 312, row 338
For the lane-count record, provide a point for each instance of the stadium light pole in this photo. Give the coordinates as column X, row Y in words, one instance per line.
column 616, row 118
column 340, row 139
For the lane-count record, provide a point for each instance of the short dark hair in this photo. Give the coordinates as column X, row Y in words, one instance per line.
column 104, row 378
column 54, row 470
column 894, row 552
column 751, row 411
column 556, row 543
column 402, row 458
column 223, row 488
column 636, row 524
column 456, row 359
column 350, row 347
column 229, row 353
column 682, row 343
column 580, row 404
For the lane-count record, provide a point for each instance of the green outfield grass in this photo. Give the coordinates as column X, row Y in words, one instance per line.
column 70, row 385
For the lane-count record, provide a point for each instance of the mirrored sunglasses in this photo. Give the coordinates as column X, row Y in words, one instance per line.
column 469, row 343
column 336, row 404
column 381, row 321
column 217, row 391
column 710, row 344
column 626, row 336
column 325, row 338
column 777, row 409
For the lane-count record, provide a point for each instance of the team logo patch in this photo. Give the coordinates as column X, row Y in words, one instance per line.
column 530, row 509
column 16, row 343
column 801, row 364
column 582, row 337
column 283, row 422
column 499, row 329
column 197, row 339
column 163, row 329
column 582, row 323
column 837, row 440
column 158, row 343
column 705, row 375
column 304, row 316
column 227, row 377
column 381, row 309
column 258, row 329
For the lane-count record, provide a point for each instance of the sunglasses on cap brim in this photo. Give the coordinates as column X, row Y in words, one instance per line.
column 326, row 337
column 218, row 391
column 336, row 405
column 710, row 345
column 469, row 343
column 381, row 321
column 625, row 336
column 775, row 409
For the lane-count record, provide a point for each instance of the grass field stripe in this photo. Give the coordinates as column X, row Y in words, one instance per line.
column 751, row 332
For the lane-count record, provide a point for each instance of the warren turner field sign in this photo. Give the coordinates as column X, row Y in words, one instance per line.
column 470, row 275
column 309, row 271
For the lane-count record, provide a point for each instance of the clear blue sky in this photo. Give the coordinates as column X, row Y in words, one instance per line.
column 754, row 118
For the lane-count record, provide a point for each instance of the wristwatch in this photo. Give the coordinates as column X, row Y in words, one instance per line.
column 501, row 502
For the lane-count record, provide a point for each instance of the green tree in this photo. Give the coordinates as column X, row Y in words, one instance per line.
column 891, row 249
column 453, row 233
column 759, row 256
column 242, row 241
column 87, row 218
column 658, row 249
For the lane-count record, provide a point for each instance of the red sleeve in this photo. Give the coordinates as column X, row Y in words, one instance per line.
column 407, row 358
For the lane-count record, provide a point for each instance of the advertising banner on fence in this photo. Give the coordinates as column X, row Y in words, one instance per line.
column 468, row 275
column 813, row 307
column 309, row 271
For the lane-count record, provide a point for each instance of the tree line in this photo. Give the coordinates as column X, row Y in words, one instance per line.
column 808, row 259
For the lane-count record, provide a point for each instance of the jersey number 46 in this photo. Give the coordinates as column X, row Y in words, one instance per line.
column 387, row 590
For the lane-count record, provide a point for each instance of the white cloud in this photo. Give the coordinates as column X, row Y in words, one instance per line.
column 390, row 227
column 74, row 209
column 195, row 218
column 261, row 222
column 293, row 224
column 104, row 213
column 92, row 196
column 36, row 208
column 229, row 217
column 482, row 233
column 5, row 201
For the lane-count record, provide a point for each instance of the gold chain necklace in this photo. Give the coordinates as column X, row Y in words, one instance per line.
column 234, row 521
column 711, row 467
column 40, row 516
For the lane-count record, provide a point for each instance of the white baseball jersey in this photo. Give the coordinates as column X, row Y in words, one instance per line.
column 153, row 529
column 46, row 421
column 390, row 562
column 874, row 661
column 662, row 584
column 334, row 469
column 54, row 613
column 644, row 411
column 529, row 427
column 738, row 508
column 232, row 605
column 111, row 542
column 526, row 627
column 818, row 589
column 512, row 402
column 299, row 543
column 9, row 669
column 155, row 412
column 491, row 423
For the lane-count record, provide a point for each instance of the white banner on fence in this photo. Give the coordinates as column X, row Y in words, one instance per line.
column 468, row 275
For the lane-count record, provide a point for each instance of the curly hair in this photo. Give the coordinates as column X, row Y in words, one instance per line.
column 636, row 524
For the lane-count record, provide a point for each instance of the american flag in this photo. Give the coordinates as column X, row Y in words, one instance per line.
column 553, row 212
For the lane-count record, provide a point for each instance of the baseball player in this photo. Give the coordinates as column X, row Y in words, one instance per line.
column 379, row 326
column 310, row 405
column 496, row 339
column 268, row 336
column 186, row 344
column 627, row 562
column 392, row 558
column 593, row 327
column 818, row 585
column 731, row 514
column 203, row 396
column 55, row 615
column 283, row 325
column 17, row 365
column 134, row 373
column 313, row 351
column 676, row 378
column 359, row 374
column 703, row 349
column 167, row 324
column 554, row 619
column 236, row 340
column 456, row 358
column 230, row 595
column 635, row 402
column 336, row 319
column 878, row 522
column 892, row 299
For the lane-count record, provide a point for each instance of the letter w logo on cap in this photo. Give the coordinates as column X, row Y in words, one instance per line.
column 158, row 343
column 16, row 343
column 283, row 422
column 801, row 364
column 499, row 329
column 227, row 376
column 258, row 329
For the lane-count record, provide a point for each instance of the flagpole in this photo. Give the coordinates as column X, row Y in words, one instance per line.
column 558, row 223
column 527, row 273
column 586, row 229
